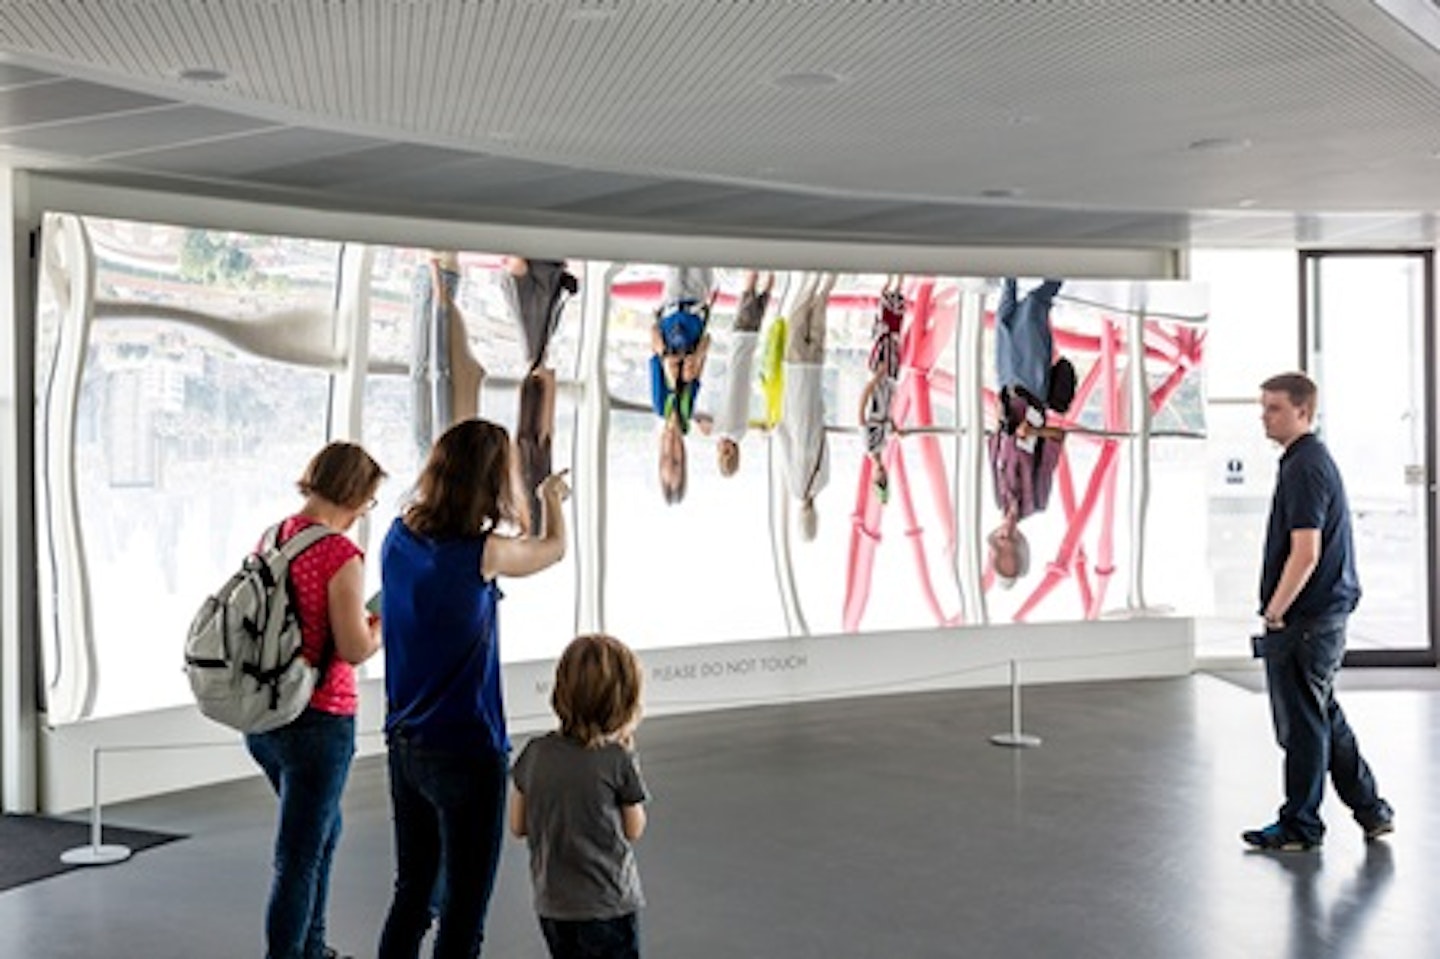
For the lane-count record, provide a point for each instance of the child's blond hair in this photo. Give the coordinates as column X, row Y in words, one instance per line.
column 597, row 688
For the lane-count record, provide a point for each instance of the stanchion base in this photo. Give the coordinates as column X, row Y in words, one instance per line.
column 95, row 855
column 1016, row 740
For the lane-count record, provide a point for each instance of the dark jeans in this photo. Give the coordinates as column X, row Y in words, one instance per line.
column 449, row 812
column 1300, row 666
column 617, row 938
column 307, row 763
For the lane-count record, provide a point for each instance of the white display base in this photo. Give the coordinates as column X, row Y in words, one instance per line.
column 95, row 855
column 177, row 748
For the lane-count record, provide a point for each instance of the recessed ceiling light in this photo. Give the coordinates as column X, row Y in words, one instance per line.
column 1001, row 193
column 201, row 74
column 1247, row 202
column 1219, row 145
column 806, row 80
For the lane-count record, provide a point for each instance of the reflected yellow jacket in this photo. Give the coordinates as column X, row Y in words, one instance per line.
column 772, row 371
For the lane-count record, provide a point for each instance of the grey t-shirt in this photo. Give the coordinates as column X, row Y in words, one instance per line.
column 582, row 865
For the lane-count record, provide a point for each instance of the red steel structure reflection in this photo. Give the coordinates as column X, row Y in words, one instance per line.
column 1174, row 348
column 1171, row 348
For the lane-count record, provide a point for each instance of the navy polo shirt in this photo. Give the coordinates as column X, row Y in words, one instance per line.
column 1310, row 495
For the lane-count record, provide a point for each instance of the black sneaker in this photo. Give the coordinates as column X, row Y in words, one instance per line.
column 1378, row 828
column 1274, row 839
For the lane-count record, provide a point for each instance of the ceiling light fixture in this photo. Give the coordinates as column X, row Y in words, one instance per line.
column 201, row 75
column 806, row 80
column 1001, row 193
column 1220, row 145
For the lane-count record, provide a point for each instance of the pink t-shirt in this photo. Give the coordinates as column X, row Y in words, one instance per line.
column 311, row 574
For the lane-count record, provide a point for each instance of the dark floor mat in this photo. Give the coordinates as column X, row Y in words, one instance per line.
column 1349, row 680
column 30, row 846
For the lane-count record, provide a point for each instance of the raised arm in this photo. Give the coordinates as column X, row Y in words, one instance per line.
column 524, row 555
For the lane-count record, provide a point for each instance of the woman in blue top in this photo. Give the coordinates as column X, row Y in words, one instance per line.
column 445, row 721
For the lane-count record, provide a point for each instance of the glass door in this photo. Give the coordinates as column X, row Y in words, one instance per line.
column 1367, row 319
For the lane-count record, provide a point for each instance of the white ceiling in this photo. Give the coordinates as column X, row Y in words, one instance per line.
column 1068, row 122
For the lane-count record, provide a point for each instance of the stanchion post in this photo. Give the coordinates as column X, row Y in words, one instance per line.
column 95, row 854
column 1015, row 738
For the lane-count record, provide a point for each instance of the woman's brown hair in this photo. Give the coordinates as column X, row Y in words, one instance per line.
column 468, row 484
column 342, row 473
column 597, row 688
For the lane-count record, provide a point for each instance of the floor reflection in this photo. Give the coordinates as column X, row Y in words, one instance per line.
column 1333, row 930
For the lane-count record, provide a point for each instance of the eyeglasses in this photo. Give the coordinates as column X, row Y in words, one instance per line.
column 372, row 504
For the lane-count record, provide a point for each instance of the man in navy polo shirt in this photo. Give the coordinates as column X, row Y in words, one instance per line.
column 1308, row 589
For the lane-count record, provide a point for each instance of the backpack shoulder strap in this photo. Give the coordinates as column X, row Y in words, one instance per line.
column 304, row 539
column 291, row 550
column 271, row 538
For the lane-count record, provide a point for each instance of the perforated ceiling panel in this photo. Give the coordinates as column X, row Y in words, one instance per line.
column 1121, row 105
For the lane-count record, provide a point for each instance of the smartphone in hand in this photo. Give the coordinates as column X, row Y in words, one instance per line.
column 372, row 605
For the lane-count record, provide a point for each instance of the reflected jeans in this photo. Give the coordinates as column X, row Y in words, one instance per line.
column 449, row 811
column 1301, row 661
column 307, row 763
column 1024, row 343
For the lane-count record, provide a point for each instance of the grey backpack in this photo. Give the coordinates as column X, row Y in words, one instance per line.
column 242, row 653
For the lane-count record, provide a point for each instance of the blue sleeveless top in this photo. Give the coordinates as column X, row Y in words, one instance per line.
column 442, row 655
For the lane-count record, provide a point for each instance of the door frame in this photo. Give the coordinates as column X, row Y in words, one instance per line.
column 1428, row 655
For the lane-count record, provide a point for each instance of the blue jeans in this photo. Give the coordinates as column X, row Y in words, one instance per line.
column 1300, row 666
column 617, row 938
column 307, row 763
column 449, row 812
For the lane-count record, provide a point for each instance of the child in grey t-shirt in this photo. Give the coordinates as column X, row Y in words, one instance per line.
column 579, row 802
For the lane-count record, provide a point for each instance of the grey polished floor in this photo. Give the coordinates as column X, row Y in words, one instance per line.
column 886, row 827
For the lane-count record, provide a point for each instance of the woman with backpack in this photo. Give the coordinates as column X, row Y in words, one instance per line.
column 308, row 760
column 445, row 721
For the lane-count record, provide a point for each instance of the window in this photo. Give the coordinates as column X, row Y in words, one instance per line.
column 185, row 445
column 210, row 374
